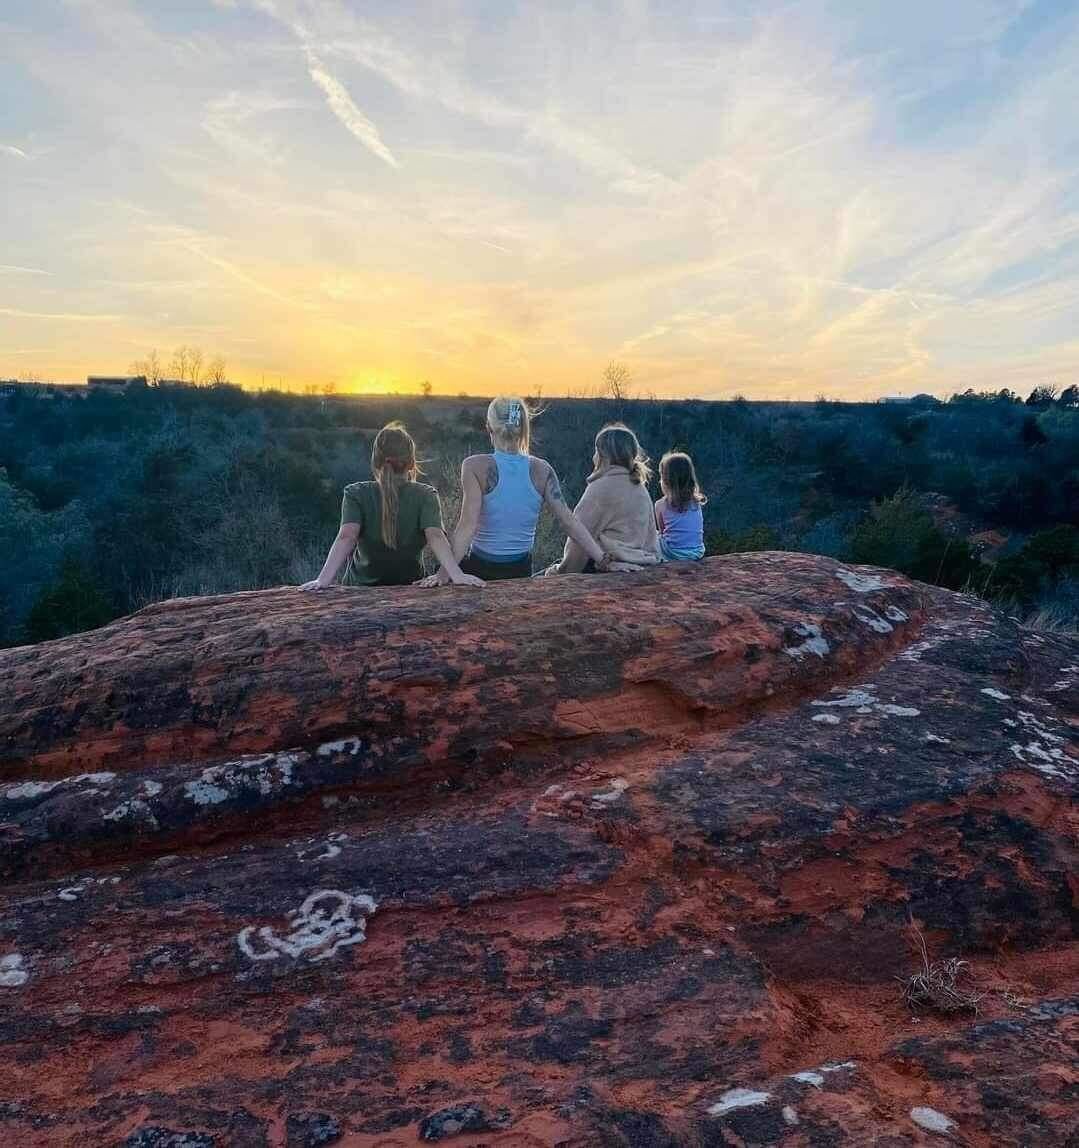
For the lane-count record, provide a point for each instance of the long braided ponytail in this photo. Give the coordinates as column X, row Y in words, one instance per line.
column 393, row 462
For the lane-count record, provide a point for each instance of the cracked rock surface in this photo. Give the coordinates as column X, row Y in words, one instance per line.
column 625, row 860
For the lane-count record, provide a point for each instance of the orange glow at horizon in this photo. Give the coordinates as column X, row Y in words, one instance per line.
column 730, row 199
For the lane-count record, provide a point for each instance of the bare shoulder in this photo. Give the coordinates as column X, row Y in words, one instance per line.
column 544, row 479
column 483, row 468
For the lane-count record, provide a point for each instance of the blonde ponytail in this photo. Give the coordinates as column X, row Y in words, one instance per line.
column 393, row 462
column 510, row 422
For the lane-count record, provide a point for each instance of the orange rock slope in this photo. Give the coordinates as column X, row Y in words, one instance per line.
column 626, row 860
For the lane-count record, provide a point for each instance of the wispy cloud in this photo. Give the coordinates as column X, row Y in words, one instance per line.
column 12, row 150
column 344, row 108
column 231, row 121
column 59, row 316
column 10, row 269
column 783, row 201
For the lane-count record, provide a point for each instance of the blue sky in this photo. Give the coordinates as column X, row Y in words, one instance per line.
column 779, row 200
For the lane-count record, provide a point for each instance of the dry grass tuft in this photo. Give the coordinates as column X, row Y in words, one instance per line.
column 935, row 986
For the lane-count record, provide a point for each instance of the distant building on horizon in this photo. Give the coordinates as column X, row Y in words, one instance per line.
column 922, row 400
column 114, row 383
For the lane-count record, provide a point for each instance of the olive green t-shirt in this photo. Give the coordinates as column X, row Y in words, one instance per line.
column 372, row 562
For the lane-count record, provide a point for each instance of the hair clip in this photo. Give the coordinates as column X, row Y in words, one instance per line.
column 513, row 414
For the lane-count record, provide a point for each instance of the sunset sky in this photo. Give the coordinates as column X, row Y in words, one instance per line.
column 850, row 198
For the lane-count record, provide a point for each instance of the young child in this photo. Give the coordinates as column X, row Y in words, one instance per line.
column 678, row 512
column 386, row 523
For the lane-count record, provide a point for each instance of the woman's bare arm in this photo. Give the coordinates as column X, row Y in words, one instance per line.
column 342, row 547
column 471, row 502
column 440, row 545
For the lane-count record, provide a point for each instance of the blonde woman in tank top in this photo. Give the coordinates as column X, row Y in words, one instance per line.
column 502, row 496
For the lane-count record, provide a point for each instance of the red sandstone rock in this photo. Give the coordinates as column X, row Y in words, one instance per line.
column 596, row 860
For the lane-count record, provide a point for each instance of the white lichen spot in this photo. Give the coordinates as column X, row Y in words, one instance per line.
column 938, row 740
column 789, row 1115
column 931, row 1120
column 738, row 1098
column 898, row 711
column 133, row 808
column 94, row 778
column 29, row 789
column 815, row 1076
column 1033, row 722
column 26, row 789
column 349, row 745
column 869, row 616
column 814, row 642
column 12, row 973
column 826, row 719
column 1045, row 760
column 205, row 793
column 1000, row 697
column 71, row 893
column 852, row 698
column 151, row 788
column 329, row 851
column 894, row 614
column 327, row 921
column 616, row 787
column 860, row 583
column 913, row 653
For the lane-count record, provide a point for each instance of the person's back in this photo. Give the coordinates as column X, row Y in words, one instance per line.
column 681, row 529
column 373, row 563
column 678, row 513
column 616, row 507
column 386, row 523
column 502, row 494
column 509, row 512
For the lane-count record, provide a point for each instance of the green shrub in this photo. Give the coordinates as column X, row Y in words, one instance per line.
column 70, row 605
column 900, row 533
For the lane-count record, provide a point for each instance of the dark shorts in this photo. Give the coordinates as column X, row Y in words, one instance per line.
column 497, row 571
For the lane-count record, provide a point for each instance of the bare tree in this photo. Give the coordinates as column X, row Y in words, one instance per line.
column 187, row 364
column 215, row 372
column 194, row 357
column 617, row 380
column 178, row 366
column 426, row 388
column 149, row 368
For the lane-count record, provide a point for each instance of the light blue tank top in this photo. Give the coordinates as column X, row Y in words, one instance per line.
column 683, row 529
column 508, row 516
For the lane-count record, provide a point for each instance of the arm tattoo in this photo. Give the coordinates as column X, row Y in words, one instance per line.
column 490, row 479
column 554, row 487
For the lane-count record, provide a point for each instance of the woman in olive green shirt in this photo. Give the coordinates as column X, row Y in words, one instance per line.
column 385, row 524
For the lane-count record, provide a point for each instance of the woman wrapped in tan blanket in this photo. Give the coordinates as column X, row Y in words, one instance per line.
column 616, row 507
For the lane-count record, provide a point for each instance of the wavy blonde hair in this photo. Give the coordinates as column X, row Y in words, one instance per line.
column 617, row 445
column 393, row 462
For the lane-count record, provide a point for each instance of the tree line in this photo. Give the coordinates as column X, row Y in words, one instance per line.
column 113, row 501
